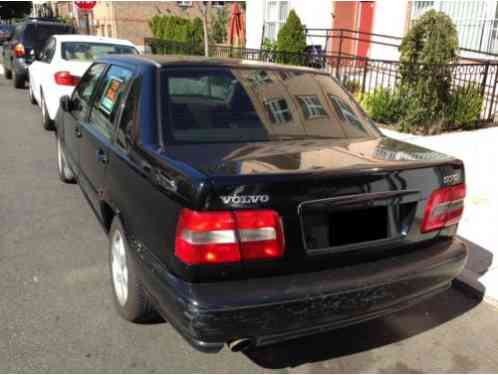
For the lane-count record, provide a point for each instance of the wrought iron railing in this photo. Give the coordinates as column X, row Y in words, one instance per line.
column 358, row 74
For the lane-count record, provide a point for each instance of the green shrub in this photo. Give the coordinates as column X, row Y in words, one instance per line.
column 384, row 105
column 291, row 40
column 465, row 107
column 352, row 85
column 426, row 52
column 219, row 24
column 179, row 30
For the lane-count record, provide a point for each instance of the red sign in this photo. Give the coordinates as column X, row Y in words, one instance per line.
column 85, row 5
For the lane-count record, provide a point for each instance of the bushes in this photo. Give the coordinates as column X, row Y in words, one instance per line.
column 352, row 85
column 180, row 30
column 383, row 105
column 425, row 101
column 397, row 106
column 291, row 40
column 427, row 51
column 465, row 107
column 219, row 27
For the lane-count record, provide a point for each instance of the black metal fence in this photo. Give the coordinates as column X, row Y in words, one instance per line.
column 358, row 74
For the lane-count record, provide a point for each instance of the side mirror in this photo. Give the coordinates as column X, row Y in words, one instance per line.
column 66, row 103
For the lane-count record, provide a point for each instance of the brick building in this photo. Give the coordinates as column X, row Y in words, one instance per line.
column 129, row 19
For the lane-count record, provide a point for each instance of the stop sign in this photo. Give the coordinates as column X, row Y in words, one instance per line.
column 85, row 5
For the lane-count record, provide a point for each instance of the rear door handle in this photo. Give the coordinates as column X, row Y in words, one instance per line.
column 102, row 156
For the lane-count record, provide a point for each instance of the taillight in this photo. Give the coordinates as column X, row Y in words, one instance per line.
column 228, row 237
column 19, row 50
column 444, row 208
column 66, row 79
column 260, row 234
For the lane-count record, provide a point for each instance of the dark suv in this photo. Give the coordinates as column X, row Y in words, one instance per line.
column 5, row 32
column 28, row 39
column 253, row 203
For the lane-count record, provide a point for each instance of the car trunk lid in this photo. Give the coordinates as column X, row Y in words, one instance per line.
column 335, row 198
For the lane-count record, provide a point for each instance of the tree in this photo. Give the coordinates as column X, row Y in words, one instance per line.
column 204, row 7
column 14, row 9
column 291, row 39
column 427, row 51
column 219, row 24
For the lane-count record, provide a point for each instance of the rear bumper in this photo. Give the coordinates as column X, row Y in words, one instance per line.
column 284, row 307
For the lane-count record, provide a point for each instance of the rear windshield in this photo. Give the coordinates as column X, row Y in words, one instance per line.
column 82, row 51
column 39, row 33
column 213, row 105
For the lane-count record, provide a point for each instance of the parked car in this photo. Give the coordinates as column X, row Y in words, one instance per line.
column 5, row 32
column 60, row 65
column 251, row 203
column 28, row 39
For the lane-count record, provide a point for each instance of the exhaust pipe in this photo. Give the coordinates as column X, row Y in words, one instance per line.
column 239, row 344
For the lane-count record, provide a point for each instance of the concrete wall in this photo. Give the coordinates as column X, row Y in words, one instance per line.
column 390, row 18
column 254, row 22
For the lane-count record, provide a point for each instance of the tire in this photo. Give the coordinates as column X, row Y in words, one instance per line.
column 130, row 298
column 32, row 99
column 8, row 73
column 47, row 123
column 65, row 172
column 19, row 82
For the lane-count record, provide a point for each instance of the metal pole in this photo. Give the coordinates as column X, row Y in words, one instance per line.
column 364, row 81
column 484, row 79
column 490, row 113
column 337, row 74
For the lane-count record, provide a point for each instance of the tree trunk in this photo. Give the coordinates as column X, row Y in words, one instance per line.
column 205, row 12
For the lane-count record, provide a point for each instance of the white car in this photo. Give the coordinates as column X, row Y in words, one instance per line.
column 60, row 65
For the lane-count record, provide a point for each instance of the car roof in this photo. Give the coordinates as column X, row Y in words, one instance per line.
column 91, row 39
column 183, row 60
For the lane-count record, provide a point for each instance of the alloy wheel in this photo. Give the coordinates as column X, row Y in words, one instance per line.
column 119, row 268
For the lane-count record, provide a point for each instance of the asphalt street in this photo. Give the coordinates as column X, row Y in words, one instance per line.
column 56, row 310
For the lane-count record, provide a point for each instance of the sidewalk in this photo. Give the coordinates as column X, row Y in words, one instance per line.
column 479, row 151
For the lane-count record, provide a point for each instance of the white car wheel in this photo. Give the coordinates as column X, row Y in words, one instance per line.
column 119, row 268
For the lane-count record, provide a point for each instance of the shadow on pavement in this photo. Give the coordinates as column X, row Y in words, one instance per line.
column 387, row 330
column 366, row 336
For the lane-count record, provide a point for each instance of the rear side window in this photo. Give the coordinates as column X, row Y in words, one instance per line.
column 109, row 97
column 225, row 104
column 85, row 90
column 127, row 124
column 48, row 52
column 81, row 51
column 39, row 33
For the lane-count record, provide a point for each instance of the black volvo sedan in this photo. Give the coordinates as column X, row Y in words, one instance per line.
column 251, row 203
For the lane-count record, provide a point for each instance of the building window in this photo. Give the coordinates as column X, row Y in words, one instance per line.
column 278, row 111
column 217, row 4
column 184, row 3
column 276, row 13
column 312, row 107
column 109, row 31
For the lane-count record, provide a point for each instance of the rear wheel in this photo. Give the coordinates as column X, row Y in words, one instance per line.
column 47, row 123
column 8, row 73
column 130, row 298
column 31, row 96
column 64, row 170
column 18, row 81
